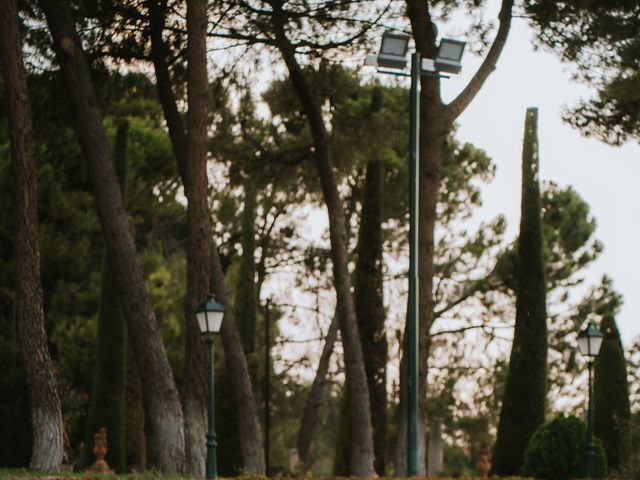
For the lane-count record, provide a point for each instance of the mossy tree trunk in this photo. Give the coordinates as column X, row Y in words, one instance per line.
column 106, row 408
column 524, row 399
column 611, row 405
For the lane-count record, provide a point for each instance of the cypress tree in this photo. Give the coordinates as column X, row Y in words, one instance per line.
column 611, row 406
column 106, row 408
column 524, row 398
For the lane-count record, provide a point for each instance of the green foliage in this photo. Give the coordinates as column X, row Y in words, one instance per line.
column 556, row 451
column 524, row 398
column 15, row 416
column 600, row 39
column 106, row 408
column 611, row 406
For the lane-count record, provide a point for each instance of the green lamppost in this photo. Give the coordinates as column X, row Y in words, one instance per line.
column 392, row 59
column 209, row 316
column 589, row 343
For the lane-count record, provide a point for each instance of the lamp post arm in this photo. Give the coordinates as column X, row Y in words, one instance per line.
column 464, row 98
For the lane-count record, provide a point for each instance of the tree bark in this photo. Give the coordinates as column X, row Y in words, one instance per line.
column 370, row 308
column 314, row 399
column 249, row 428
column 199, row 232
column 161, row 396
column 362, row 452
column 46, row 416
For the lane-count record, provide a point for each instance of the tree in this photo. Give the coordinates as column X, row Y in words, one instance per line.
column 601, row 40
column 46, row 416
column 196, row 183
column 524, row 399
column 248, row 424
column 161, row 396
column 109, row 382
column 436, row 123
column 611, row 405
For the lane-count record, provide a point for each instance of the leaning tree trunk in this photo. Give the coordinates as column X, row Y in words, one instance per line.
column 166, row 422
column 314, row 398
column 249, row 429
column 199, row 232
column 525, row 391
column 362, row 453
column 46, row 416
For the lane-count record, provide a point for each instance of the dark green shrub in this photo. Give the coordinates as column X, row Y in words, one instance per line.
column 15, row 417
column 557, row 451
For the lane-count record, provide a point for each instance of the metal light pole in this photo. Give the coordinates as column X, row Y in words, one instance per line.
column 393, row 56
column 589, row 343
column 209, row 316
column 589, row 450
column 211, row 466
column 412, row 320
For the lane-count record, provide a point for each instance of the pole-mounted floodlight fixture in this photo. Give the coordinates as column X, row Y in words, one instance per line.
column 393, row 55
column 449, row 56
column 590, row 341
column 393, row 51
column 209, row 315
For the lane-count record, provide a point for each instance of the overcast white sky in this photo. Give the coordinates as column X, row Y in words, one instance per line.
column 606, row 177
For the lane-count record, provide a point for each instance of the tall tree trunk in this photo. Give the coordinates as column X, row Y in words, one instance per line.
column 370, row 308
column 436, row 122
column 199, row 233
column 249, row 428
column 160, row 393
column 525, row 391
column 314, row 399
column 106, row 408
column 362, row 453
column 246, row 295
column 46, row 416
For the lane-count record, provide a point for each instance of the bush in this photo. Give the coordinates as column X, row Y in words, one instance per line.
column 557, row 451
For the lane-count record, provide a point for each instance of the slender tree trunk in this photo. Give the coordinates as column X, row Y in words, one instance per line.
column 370, row 308
column 525, row 392
column 160, row 393
column 362, row 453
column 314, row 399
column 109, row 382
column 46, row 416
column 199, row 232
column 249, row 428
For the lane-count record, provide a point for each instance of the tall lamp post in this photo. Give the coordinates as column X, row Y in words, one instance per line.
column 589, row 343
column 209, row 316
column 392, row 59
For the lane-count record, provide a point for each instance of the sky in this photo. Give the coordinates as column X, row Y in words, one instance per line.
column 606, row 177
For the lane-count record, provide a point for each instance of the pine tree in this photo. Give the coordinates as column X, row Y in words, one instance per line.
column 611, row 406
column 524, row 399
